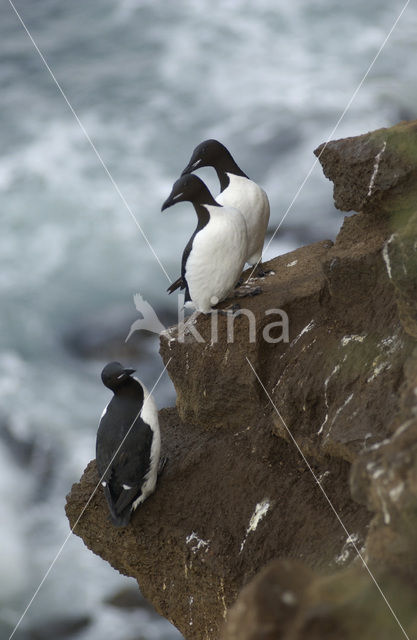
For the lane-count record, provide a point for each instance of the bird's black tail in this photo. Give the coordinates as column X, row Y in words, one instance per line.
column 118, row 519
column 178, row 284
column 123, row 519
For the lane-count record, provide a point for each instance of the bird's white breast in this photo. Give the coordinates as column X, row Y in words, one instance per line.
column 149, row 414
column 217, row 257
column 251, row 200
column 104, row 411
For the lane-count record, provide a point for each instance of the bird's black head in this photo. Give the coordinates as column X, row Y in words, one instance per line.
column 114, row 375
column 207, row 154
column 189, row 188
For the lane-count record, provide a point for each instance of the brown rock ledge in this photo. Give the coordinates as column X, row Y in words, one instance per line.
column 236, row 493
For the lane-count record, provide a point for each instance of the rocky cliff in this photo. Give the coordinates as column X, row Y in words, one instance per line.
column 288, row 508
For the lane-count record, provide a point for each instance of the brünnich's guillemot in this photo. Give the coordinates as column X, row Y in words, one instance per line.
column 128, row 443
column 214, row 257
column 238, row 191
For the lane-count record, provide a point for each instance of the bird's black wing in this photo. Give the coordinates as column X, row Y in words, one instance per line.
column 127, row 467
column 131, row 468
column 185, row 255
column 106, row 446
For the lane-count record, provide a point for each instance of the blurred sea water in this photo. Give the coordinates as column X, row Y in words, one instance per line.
column 149, row 80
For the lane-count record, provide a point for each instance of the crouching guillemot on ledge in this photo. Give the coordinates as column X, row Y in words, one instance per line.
column 238, row 191
column 214, row 257
column 128, row 443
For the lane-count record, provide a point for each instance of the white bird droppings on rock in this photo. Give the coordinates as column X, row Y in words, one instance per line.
column 200, row 543
column 261, row 510
column 386, row 256
column 307, row 328
column 288, row 598
column 352, row 338
column 376, row 169
column 395, row 492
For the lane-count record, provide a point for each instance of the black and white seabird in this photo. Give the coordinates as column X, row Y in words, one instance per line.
column 238, row 191
column 128, row 443
column 214, row 257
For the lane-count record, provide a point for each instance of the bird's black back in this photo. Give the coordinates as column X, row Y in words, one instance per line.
column 131, row 463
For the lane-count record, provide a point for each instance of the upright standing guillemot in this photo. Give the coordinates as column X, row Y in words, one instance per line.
column 128, row 443
column 238, row 191
column 213, row 259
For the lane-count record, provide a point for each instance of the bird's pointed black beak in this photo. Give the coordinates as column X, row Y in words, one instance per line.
column 173, row 198
column 168, row 202
column 191, row 166
column 129, row 372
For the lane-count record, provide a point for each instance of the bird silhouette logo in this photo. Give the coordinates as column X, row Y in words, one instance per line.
column 149, row 321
